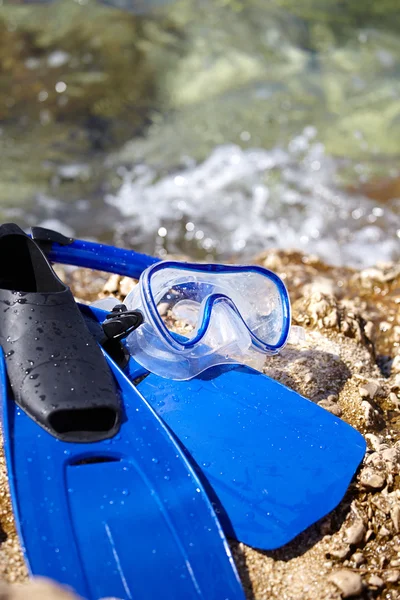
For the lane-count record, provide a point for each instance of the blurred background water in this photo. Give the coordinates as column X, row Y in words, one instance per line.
column 213, row 128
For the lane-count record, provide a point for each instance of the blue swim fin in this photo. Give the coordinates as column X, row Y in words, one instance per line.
column 124, row 517
column 271, row 461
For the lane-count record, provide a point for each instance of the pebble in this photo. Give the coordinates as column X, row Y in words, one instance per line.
column 39, row 589
column 111, row 286
column 126, row 285
column 339, row 552
column 333, row 398
column 383, row 532
column 369, row 330
column 163, row 308
column 349, row 583
column 395, row 516
column 392, row 576
column 396, row 382
column 369, row 390
column 372, row 479
column 369, row 535
column 395, row 562
column 393, row 398
column 376, row 581
column 373, row 440
column 369, row 413
column 358, row 558
column 391, row 456
column 355, row 533
column 309, row 378
column 396, row 364
column 330, row 406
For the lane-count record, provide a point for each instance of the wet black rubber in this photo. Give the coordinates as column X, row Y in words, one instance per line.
column 57, row 371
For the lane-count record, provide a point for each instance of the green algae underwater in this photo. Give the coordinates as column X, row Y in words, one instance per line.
column 94, row 99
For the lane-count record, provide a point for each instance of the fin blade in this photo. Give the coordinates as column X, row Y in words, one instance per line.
column 272, row 461
column 78, row 525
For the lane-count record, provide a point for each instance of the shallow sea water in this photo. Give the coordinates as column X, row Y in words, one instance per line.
column 211, row 128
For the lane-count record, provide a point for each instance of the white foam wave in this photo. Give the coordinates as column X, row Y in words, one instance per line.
column 239, row 202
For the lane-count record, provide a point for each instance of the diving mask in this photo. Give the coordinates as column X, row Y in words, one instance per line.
column 224, row 314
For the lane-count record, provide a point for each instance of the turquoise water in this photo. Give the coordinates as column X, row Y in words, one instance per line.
column 211, row 128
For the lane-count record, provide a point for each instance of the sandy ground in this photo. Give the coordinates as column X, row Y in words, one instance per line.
column 349, row 362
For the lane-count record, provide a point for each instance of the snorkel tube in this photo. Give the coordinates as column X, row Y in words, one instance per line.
column 91, row 255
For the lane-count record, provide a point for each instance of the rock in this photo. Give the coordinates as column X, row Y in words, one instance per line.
column 369, row 413
column 339, row 552
column 391, row 457
column 373, row 440
column 309, row 378
column 375, row 460
column 392, row 576
column 384, row 275
column 112, row 285
column 358, row 558
column 375, row 581
column 349, row 583
column 369, row 535
column 372, row 479
column 333, row 398
column 393, row 398
column 383, row 532
column 395, row 562
column 330, row 406
column 355, row 533
column 396, row 383
column 396, row 364
column 36, row 589
column 395, row 516
column 369, row 390
column 369, row 330
column 126, row 285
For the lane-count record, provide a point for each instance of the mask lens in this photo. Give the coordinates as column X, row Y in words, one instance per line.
column 259, row 301
column 178, row 296
column 184, row 300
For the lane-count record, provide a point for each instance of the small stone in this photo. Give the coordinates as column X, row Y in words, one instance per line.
column 333, row 398
column 383, row 532
column 372, row 479
column 376, row 581
column 36, row 589
column 358, row 558
column 396, row 383
column 355, row 533
column 369, row 413
column 393, row 398
column 60, row 272
column 374, row 441
column 331, row 319
column 163, row 308
column 392, row 576
column 395, row 562
column 396, row 364
column 339, row 552
column 349, row 583
column 309, row 378
column 369, row 330
column 111, row 286
column 126, row 285
column 395, row 516
column 369, row 535
column 330, row 406
column 369, row 390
